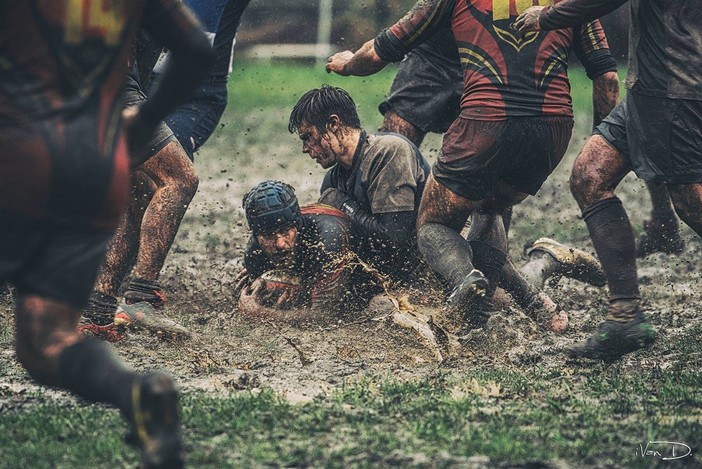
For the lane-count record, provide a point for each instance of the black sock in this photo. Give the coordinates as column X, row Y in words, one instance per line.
column 446, row 252
column 490, row 261
column 613, row 239
column 101, row 308
column 91, row 370
column 515, row 283
column 140, row 289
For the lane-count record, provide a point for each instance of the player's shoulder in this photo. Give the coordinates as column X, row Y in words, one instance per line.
column 324, row 223
column 390, row 145
column 389, row 139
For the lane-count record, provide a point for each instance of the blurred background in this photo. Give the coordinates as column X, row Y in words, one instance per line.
column 300, row 29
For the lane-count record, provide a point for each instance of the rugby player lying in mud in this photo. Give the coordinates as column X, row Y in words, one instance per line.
column 301, row 264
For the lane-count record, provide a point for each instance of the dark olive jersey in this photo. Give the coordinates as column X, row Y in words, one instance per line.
column 665, row 42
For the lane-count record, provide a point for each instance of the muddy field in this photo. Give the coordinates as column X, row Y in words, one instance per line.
column 226, row 353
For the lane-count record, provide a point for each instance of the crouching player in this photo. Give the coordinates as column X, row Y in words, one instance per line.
column 299, row 262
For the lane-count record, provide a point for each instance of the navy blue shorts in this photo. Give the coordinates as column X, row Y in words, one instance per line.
column 162, row 135
column 520, row 152
column 660, row 137
column 49, row 260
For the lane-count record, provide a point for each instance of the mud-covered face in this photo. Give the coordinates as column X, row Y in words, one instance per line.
column 319, row 145
column 279, row 245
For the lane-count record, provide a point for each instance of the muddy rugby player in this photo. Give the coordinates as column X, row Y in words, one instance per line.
column 306, row 254
column 164, row 184
column 64, row 186
column 424, row 97
column 656, row 132
column 377, row 181
column 515, row 97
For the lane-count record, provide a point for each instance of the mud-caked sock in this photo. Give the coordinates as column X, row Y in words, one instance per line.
column 541, row 267
column 623, row 310
column 446, row 252
column 490, row 261
column 524, row 294
column 140, row 289
column 91, row 370
column 101, row 308
column 613, row 239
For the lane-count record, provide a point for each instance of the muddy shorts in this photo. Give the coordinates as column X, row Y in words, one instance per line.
column 660, row 137
column 162, row 136
column 520, row 152
column 50, row 260
column 426, row 91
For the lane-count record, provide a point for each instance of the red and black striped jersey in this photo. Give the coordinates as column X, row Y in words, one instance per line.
column 505, row 74
column 63, row 64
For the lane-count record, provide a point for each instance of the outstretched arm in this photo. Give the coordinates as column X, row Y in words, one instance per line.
column 365, row 61
column 564, row 14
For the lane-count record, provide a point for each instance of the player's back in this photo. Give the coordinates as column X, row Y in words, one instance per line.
column 63, row 64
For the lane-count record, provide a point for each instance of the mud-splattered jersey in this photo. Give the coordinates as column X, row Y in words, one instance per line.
column 322, row 254
column 504, row 74
column 665, row 42
column 62, row 67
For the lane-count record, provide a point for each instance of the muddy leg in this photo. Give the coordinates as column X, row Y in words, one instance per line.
column 687, row 199
column 597, row 171
column 394, row 123
column 176, row 183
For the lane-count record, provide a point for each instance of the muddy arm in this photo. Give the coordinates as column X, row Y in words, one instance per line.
column 365, row 61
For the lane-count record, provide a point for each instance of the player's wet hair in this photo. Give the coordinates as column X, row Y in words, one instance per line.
column 271, row 205
column 315, row 107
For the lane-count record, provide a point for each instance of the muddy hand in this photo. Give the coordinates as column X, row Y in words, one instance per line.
column 338, row 61
column 528, row 20
column 250, row 296
column 288, row 299
column 242, row 281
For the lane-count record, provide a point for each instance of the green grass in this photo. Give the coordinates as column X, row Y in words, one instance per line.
column 594, row 417
column 255, row 86
column 580, row 415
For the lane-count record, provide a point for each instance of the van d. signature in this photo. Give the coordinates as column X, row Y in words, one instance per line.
column 664, row 450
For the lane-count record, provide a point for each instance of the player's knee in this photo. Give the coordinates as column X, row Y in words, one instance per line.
column 190, row 182
column 584, row 185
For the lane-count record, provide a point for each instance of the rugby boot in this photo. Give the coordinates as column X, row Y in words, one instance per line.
column 109, row 332
column 614, row 339
column 143, row 315
column 571, row 262
column 660, row 235
column 467, row 300
column 145, row 290
column 155, row 422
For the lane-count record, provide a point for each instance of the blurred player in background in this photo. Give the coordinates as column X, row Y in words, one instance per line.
column 165, row 184
column 63, row 180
